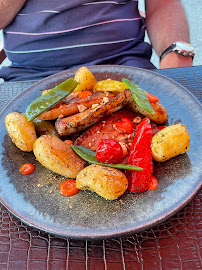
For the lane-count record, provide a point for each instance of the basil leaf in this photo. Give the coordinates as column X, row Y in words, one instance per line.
column 52, row 97
column 90, row 157
column 139, row 96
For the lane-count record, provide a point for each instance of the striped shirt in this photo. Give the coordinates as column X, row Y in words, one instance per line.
column 51, row 36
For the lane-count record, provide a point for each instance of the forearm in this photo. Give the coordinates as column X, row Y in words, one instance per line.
column 166, row 23
column 8, row 11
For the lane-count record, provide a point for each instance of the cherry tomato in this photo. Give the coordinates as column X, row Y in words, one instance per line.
column 124, row 125
column 109, row 151
column 68, row 187
column 152, row 98
column 153, row 183
column 27, row 168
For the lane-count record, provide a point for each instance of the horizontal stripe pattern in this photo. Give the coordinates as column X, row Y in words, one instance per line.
column 42, row 11
column 60, row 34
column 55, row 10
column 72, row 46
column 71, row 30
column 110, row 2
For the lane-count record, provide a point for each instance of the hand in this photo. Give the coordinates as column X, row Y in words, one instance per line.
column 173, row 60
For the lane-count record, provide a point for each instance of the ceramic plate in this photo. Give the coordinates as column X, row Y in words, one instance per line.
column 35, row 198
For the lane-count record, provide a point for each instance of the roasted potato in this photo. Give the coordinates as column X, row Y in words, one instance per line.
column 85, row 79
column 170, row 142
column 21, row 131
column 109, row 85
column 57, row 156
column 107, row 182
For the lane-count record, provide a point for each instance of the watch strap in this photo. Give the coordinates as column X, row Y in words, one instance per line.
column 175, row 48
column 167, row 51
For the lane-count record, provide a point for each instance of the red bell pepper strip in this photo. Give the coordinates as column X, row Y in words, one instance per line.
column 140, row 155
column 152, row 98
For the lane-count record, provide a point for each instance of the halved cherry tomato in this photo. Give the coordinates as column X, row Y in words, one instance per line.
column 125, row 125
column 27, row 168
column 84, row 94
column 68, row 187
column 153, row 183
column 152, row 98
column 109, row 151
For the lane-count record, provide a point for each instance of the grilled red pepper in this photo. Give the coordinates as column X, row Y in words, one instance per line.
column 141, row 155
column 152, row 98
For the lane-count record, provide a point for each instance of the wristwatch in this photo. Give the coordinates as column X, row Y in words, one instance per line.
column 179, row 47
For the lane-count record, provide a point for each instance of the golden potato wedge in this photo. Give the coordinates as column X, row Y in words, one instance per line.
column 170, row 142
column 85, row 79
column 107, row 182
column 21, row 131
column 57, row 156
column 109, row 85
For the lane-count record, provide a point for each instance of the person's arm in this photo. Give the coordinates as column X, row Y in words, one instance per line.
column 8, row 11
column 166, row 23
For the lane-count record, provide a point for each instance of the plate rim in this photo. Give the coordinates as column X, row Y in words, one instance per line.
column 117, row 233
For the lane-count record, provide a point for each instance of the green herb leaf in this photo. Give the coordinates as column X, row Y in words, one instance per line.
column 139, row 96
column 52, row 97
column 90, row 157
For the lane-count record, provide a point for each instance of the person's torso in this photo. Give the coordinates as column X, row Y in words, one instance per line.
column 69, row 33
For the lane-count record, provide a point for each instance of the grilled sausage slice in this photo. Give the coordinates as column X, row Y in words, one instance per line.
column 160, row 116
column 81, row 121
column 73, row 103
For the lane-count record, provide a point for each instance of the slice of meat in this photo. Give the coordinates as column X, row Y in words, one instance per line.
column 106, row 129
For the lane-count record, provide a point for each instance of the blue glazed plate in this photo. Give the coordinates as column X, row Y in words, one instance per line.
column 35, row 198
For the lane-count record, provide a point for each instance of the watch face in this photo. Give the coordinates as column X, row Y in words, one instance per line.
column 184, row 46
